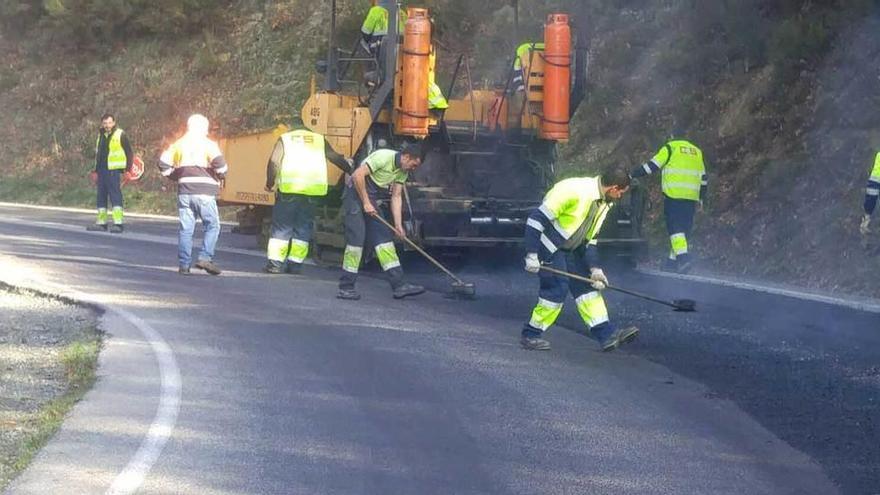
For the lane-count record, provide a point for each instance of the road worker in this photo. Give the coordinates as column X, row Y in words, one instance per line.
column 684, row 184
column 195, row 162
column 297, row 173
column 525, row 54
column 872, row 191
column 113, row 156
column 561, row 234
column 378, row 180
column 375, row 25
column 436, row 101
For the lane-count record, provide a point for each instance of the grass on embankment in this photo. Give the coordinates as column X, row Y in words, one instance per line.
column 80, row 362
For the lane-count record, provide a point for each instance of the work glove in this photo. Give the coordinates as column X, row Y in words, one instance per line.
column 863, row 227
column 533, row 265
column 600, row 281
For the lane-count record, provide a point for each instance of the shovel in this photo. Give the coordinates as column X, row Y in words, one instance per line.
column 683, row 305
column 460, row 289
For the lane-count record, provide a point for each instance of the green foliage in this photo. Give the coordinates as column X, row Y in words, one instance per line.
column 798, row 39
column 93, row 23
column 9, row 79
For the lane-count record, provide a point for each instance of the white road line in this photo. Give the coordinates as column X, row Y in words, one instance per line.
column 867, row 305
column 67, row 209
column 134, row 473
column 132, row 477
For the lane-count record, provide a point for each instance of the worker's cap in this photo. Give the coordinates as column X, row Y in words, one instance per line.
column 197, row 124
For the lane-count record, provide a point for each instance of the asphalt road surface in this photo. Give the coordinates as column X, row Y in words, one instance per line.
column 251, row 383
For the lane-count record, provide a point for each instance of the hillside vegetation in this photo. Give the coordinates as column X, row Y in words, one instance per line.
column 779, row 94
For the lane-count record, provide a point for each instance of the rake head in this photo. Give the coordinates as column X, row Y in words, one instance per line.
column 685, row 305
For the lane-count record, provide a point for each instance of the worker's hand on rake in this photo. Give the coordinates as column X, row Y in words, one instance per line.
column 600, row 281
column 369, row 209
column 864, row 227
column 400, row 232
column 533, row 264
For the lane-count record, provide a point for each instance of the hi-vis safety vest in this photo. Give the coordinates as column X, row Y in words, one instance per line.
column 115, row 155
column 683, row 169
column 304, row 166
column 376, row 22
column 436, row 100
column 524, row 54
column 576, row 209
column 875, row 173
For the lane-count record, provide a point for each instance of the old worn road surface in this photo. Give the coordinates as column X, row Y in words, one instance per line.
column 249, row 383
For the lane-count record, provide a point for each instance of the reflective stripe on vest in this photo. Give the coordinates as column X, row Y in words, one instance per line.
column 683, row 172
column 116, row 159
column 304, row 166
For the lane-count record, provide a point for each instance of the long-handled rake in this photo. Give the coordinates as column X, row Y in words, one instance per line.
column 683, row 305
column 460, row 289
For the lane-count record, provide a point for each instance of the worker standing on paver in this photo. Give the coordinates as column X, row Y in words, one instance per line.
column 375, row 26
column 561, row 234
column 297, row 172
column 196, row 163
column 684, row 184
column 872, row 192
column 363, row 199
column 525, row 55
column 113, row 156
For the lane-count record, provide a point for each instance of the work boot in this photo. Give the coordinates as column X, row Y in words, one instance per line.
column 97, row 227
column 273, row 269
column 618, row 337
column 534, row 343
column 685, row 266
column 294, row 268
column 349, row 294
column 209, row 267
column 184, row 270
column 116, row 228
column 404, row 290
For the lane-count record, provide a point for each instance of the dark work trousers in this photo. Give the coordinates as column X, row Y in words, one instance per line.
column 555, row 288
column 362, row 231
column 292, row 223
column 109, row 185
column 679, row 215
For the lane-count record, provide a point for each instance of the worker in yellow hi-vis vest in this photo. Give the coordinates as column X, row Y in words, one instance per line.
column 297, row 172
column 113, row 156
column 684, row 185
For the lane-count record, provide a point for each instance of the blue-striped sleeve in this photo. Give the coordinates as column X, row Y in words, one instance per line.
column 541, row 236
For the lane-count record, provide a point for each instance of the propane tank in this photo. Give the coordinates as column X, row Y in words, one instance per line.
column 413, row 107
column 557, row 78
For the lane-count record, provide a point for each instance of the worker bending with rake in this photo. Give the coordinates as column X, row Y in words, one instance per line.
column 381, row 177
column 561, row 234
column 297, row 172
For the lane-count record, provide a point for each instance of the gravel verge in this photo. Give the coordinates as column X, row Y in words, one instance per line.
column 48, row 356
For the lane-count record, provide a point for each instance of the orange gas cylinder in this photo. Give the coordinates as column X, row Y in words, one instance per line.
column 413, row 106
column 557, row 78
